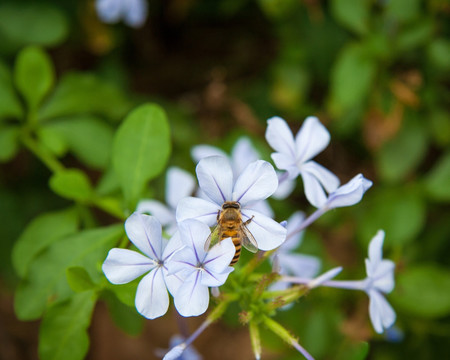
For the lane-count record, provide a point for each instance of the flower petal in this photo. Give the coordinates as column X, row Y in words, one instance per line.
column 327, row 276
column 165, row 215
column 381, row 312
column 304, row 266
column 267, row 232
column 199, row 209
column 350, row 193
column 202, row 151
column 192, row 298
column 284, row 162
column 152, row 299
column 109, row 11
column 180, row 184
column 215, row 177
column 284, row 188
column 293, row 239
column 211, row 279
column 257, row 182
column 376, row 248
column 280, row 138
column 145, row 233
column 314, row 192
column 384, row 276
column 135, row 12
column 327, row 179
column 242, row 154
column 311, row 139
column 122, row 265
column 194, row 234
column 219, row 257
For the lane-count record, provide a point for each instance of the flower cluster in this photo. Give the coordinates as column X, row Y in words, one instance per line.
column 204, row 242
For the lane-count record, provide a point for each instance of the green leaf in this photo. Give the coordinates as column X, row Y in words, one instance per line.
column 423, row 290
column 9, row 105
column 125, row 317
column 9, row 142
column 141, row 149
column 33, row 75
column 439, row 53
column 52, row 140
column 414, row 35
column 63, row 332
column 46, row 281
column 351, row 78
column 401, row 155
column 352, row 14
column 79, row 279
column 437, row 182
column 88, row 137
column 126, row 293
column 399, row 211
column 23, row 24
column 358, row 351
column 440, row 127
column 80, row 93
column 40, row 233
column 71, row 184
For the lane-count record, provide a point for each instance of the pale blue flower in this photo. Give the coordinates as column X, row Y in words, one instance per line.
column 257, row 182
column 294, row 155
column 123, row 265
column 198, row 268
column 179, row 184
column 132, row 12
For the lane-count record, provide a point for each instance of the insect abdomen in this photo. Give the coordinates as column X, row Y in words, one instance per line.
column 236, row 238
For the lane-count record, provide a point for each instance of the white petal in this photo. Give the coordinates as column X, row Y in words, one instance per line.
column 293, row 239
column 199, row 209
column 215, row 177
column 285, row 162
column 109, row 11
column 284, row 188
column 327, row 179
column 135, row 12
column 172, row 246
column 183, row 263
column 280, row 138
column 194, row 234
column 257, row 182
column 381, row 312
column 350, row 193
column 211, row 279
column 152, row 299
column 145, row 233
column 376, row 248
column 314, row 192
column 122, row 265
column 219, row 257
column 263, row 207
column 384, row 276
column 180, row 184
column 174, row 353
column 192, row 298
column 304, row 266
column 201, row 151
column 242, row 154
column 267, row 232
column 311, row 139
column 173, row 281
column 327, row 276
column 165, row 215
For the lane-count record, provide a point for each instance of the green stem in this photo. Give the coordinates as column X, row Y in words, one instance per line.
column 42, row 153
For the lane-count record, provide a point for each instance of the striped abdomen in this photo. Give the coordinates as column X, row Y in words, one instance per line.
column 235, row 236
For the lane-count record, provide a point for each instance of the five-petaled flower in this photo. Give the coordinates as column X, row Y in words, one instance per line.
column 198, row 268
column 122, row 265
column 256, row 182
column 380, row 279
column 294, row 155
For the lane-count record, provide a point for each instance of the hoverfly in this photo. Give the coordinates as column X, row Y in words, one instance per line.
column 230, row 224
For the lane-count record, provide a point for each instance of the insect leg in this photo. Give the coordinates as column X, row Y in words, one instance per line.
column 249, row 220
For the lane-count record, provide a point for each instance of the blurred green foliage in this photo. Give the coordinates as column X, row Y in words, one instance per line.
column 377, row 73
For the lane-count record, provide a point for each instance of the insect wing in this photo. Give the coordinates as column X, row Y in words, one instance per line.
column 248, row 241
column 213, row 238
